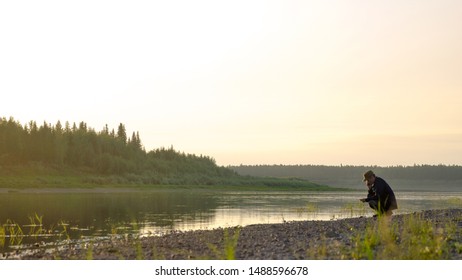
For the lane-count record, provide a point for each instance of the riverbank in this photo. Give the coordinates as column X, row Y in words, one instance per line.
column 144, row 188
column 432, row 234
column 36, row 176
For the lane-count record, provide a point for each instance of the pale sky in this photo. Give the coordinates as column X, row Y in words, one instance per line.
column 245, row 82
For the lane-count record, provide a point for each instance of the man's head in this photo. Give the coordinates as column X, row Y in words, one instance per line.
column 369, row 178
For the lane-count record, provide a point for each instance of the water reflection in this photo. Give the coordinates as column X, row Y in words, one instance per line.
column 76, row 216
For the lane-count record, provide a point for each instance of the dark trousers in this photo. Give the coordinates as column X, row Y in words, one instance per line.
column 374, row 204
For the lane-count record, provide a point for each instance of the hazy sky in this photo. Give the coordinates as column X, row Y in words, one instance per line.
column 251, row 82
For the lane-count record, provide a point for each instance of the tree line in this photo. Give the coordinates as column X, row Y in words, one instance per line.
column 323, row 172
column 110, row 157
column 105, row 152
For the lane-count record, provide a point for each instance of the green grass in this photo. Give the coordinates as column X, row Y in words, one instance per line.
column 82, row 182
column 455, row 202
column 415, row 239
column 89, row 252
column 40, row 176
column 230, row 241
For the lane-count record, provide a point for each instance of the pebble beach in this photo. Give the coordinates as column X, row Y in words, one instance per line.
column 335, row 239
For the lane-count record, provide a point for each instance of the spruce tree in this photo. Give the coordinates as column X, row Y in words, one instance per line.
column 122, row 133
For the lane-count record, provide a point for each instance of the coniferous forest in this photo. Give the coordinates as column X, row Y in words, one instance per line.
column 107, row 157
column 416, row 177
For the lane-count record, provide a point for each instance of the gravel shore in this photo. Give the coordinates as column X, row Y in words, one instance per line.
column 335, row 239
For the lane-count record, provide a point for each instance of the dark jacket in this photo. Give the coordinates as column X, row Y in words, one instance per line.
column 383, row 194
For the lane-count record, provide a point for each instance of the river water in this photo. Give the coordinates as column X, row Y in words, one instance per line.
column 45, row 217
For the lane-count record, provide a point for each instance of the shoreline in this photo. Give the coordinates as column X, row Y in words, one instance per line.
column 141, row 188
column 335, row 239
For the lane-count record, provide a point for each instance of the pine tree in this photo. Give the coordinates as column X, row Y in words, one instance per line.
column 58, row 127
column 60, row 144
column 105, row 130
column 138, row 140
column 122, row 133
column 67, row 128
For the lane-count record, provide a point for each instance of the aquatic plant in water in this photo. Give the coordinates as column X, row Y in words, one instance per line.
column 311, row 208
column 354, row 209
column 2, row 236
column 36, row 225
column 12, row 230
column 64, row 232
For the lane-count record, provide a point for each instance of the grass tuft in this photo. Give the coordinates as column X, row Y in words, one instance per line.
column 230, row 242
column 414, row 239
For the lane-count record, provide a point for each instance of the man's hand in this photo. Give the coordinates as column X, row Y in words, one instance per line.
column 362, row 199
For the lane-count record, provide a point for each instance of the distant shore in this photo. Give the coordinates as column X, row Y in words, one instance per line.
column 124, row 188
column 336, row 239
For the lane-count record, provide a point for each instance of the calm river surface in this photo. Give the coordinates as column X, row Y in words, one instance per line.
column 77, row 215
